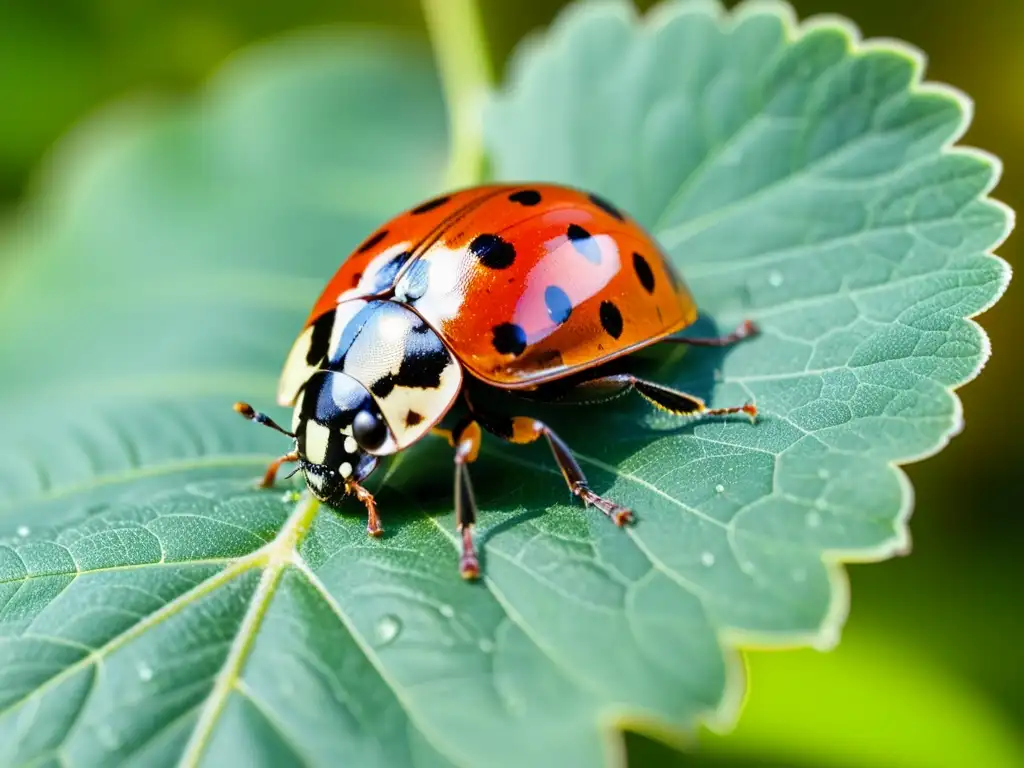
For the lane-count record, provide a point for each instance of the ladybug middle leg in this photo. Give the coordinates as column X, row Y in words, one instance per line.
column 524, row 429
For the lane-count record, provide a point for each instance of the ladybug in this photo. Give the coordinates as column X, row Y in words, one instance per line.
column 527, row 289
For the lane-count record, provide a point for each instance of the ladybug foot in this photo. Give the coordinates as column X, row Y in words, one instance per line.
column 469, row 566
column 618, row 514
column 373, row 526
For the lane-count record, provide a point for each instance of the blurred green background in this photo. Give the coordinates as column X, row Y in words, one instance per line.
column 932, row 648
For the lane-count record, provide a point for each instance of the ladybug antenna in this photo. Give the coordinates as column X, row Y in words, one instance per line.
column 260, row 418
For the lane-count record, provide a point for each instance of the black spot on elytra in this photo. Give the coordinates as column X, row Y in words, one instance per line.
column 492, row 251
column 607, row 207
column 372, row 240
column 525, row 197
column 509, row 339
column 643, row 272
column 584, row 243
column 412, row 418
column 423, row 361
column 356, row 278
column 611, row 319
column 558, row 304
column 430, row 205
column 320, row 340
column 385, row 278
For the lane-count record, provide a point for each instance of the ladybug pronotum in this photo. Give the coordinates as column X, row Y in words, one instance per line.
column 529, row 289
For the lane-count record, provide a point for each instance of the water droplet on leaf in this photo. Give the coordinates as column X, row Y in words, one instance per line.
column 387, row 629
column 145, row 673
column 775, row 278
column 719, row 488
column 447, row 611
column 707, row 559
column 813, row 519
column 23, row 531
column 107, row 737
column 486, row 645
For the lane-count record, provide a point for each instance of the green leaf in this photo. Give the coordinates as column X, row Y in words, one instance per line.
column 806, row 180
column 154, row 604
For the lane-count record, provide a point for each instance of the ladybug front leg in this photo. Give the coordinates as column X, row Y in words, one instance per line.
column 523, row 429
column 271, row 474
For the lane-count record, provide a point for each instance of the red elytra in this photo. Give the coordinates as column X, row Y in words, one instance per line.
column 504, row 286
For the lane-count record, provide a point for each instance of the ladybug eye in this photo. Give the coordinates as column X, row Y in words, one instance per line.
column 369, row 431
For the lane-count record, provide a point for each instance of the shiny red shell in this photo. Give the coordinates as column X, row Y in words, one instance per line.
column 524, row 283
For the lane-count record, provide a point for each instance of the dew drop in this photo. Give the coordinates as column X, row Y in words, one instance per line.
column 486, row 645
column 107, row 737
column 447, row 611
column 23, row 531
column 290, row 497
column 823, row 474
column 747, row 567
column 707, row 559
column 387, row 628
column 731, row 157
column 145, row 673
column 813, row 519
column 775, row 278
column 719, row 488
column 820, row 504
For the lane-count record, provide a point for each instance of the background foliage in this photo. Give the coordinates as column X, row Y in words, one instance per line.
column 928, row 635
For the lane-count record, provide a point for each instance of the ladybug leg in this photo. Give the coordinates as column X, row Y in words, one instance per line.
column 745, row 330
column 275, row 465
column 466, row 439
column 373, row 526
column 664, row 398
column 523, row 429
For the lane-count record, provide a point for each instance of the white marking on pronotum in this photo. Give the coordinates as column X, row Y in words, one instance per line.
column 317, row 436
column 296, row 370
column 444, row 296
column 345, row 469
column 351, row 445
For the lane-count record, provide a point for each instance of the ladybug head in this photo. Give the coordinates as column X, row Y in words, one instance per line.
column 339, row 434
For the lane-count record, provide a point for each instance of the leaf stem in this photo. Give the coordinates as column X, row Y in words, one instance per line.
column 460, row 49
